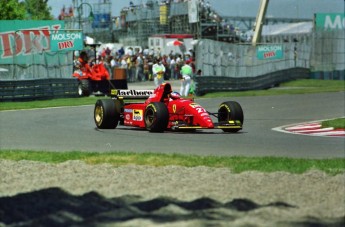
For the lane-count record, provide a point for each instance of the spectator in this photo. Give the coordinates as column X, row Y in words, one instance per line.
column 114, row 62
column 146, row 68
column 121, row 52
column 107, row 51
column 123, row 63
column 158, row 71
column 107, row 64
column 139, row 63
column 165, row 62
column 178, row 65
column 150, row 64
column 130, row 51
column 130, row 68
column 186, row 72
column 173, row 73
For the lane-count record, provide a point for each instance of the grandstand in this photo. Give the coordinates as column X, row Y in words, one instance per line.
column 138, row 22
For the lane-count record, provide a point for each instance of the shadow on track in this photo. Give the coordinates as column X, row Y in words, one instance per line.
column 56, row 207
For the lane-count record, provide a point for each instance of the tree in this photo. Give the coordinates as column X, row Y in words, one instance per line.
column 12, row 10
column 25, row 10
column 38, row 9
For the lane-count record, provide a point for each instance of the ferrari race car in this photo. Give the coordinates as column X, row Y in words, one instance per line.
column 164, row 110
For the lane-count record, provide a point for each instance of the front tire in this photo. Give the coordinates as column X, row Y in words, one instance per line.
column 230, row 111
column 107, row 113
column 156, row 117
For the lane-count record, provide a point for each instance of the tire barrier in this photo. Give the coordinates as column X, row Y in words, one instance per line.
column 43, row 89
column 206, row 84
column 38, row 89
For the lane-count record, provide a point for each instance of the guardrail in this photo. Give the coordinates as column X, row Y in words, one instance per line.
column 37, row 89
column 205, row 84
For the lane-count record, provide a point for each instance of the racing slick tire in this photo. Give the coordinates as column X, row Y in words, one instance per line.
column 156, row 117
column 84, row 88
column 230, row 110
column 107, row 113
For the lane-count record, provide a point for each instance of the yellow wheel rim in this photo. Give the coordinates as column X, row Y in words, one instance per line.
column 99, row 113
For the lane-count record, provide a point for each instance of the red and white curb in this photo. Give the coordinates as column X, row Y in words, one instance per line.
column 311, row 129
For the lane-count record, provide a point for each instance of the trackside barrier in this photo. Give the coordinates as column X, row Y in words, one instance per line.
column 37, row 89
column 206, row 84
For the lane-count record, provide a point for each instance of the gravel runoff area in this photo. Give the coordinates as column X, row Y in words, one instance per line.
column 74, row 193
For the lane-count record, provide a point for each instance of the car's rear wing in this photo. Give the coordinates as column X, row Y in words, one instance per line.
column 131, row 94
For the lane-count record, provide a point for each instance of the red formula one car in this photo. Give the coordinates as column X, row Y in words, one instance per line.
column 92, row 79
column 164, row 110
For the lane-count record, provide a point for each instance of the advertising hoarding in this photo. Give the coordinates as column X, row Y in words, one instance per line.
column 269, row 52
column 330, row 21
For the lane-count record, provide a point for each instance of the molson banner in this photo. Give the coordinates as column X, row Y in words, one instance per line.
column 20, row 40
column 63, row 40
column 269, row 52
column 330, row 20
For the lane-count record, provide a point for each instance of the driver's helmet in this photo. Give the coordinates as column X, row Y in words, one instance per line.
column 175, row 95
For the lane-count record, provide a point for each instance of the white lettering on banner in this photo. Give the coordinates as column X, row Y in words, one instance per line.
column 66, row 36
column 336, row 24
column 270, row 48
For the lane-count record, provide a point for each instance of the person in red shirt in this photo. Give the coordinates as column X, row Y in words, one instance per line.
column 82, row 65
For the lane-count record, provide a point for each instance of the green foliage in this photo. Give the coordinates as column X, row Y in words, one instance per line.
column 38, row 10
column 235, row 164
column 12, row 10
column 25, row 10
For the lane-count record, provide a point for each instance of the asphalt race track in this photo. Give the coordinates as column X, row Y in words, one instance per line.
column 73, row 129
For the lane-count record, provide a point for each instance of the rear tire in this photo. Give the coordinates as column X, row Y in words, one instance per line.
column 156, row 117
column 84, row 88
column 107, row 113
column 230, row 111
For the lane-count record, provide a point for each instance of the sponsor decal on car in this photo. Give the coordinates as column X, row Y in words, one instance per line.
column 198, row 108
column 132, row 93
column 137, row 115
column 174, row 108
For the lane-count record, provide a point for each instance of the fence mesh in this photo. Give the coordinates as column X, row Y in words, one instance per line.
column 319, row 51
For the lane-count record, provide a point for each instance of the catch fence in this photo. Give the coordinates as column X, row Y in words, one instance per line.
column 225, row 66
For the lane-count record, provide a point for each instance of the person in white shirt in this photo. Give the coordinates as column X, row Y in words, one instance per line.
column 173, row 74
column 158, row 71
column 123, row 63
column 186, row 72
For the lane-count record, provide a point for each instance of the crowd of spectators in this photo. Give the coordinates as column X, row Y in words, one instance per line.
column 138, row 62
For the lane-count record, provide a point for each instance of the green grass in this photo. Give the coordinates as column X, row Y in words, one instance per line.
column 235, row 164
column 335, row 123
column 48, row 103
column 289, row 88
